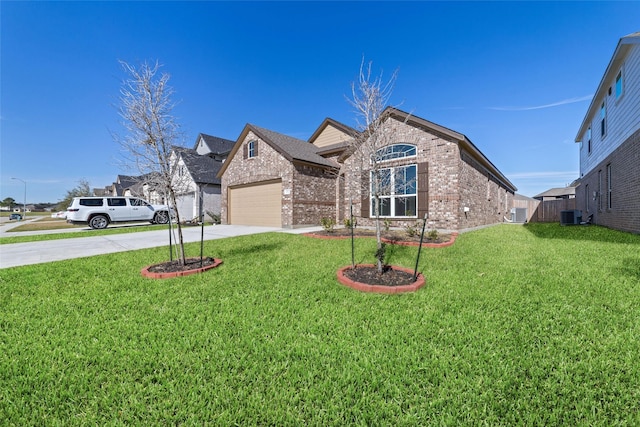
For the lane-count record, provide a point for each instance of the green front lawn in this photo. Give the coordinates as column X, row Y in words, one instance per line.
column 534, row 325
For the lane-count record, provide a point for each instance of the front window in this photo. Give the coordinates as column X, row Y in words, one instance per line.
column 251, row 149
column 396, row 151
column 397, row 191
column 589, row 140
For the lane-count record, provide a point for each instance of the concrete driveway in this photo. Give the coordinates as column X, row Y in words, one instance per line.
column 16, row 254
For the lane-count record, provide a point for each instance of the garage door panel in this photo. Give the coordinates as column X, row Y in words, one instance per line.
column 259, row 204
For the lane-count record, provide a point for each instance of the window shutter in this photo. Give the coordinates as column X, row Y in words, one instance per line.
column 255, row 148
column 244, row 151
column 366, row 200
column 423, row 189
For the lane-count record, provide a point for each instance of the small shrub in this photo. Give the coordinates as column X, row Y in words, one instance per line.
column 433, row 234
column 386, row 224
column 348, row 223
column 411, row 230
column 328, row 224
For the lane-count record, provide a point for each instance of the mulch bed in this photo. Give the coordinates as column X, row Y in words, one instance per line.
column 370, row 276
column 169, row 269
column 175, row 266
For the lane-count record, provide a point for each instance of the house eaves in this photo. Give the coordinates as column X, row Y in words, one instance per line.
column 447, row 133
column 336, row 148
column 623, row 47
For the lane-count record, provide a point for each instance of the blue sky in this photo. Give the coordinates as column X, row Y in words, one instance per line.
column 515, row 77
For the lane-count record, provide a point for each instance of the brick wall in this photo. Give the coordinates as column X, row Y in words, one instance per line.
column 487, row 200
column 267, row 165
column 455, row 181
column 313, row 195
column 624, row 213
column 308, row 193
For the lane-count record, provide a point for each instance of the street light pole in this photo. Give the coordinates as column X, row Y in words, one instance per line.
column 24, row 206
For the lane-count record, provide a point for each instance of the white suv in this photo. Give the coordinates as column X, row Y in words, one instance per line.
column 98, row 212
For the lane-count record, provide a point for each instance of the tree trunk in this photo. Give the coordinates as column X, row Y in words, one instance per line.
column 181, row 255
column 380, row 248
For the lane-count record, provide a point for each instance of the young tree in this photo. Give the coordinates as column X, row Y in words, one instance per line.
column 81, row 190
column 369, row 97
column 146, row 109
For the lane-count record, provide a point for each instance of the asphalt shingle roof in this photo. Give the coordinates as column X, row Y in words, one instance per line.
column 557, row 192
column 293, row 148
column 216, row 144
column 203, row 169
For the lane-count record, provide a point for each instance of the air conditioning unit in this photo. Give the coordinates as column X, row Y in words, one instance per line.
column 571, row 217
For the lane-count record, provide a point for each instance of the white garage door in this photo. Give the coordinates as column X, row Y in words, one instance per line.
column 185, row 206
column 259, row 204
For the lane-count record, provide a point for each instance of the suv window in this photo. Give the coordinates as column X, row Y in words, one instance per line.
column 117, row 202
column 138, row 202
column 90, row 202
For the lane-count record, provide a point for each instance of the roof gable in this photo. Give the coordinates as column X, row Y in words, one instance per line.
column 332, row 132
column 206, row 144
column 292, row 149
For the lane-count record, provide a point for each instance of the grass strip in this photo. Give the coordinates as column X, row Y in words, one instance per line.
column 532, row 325
column 80, row 233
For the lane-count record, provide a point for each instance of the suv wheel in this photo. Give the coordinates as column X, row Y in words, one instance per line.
column 162, row 217
column 98, row 222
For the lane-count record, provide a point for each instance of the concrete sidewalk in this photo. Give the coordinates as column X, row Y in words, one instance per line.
column 17, row 254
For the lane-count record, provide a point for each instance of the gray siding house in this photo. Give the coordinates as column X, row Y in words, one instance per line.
column 609, row 137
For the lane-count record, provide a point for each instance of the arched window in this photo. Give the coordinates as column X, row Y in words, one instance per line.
column 395, row 151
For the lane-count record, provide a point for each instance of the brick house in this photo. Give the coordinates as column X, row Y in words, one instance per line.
column 609, row 137
column 276, row 180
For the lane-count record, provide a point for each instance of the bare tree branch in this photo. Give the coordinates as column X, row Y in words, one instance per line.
column 152, row 133
column 370, row 97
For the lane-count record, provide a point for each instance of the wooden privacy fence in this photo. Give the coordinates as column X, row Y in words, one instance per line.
column 547, row 211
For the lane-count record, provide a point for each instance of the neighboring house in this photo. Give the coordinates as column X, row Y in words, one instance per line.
column 276, row 180
column 195, row 175
column 131, row 186
column 609, row 140
column 124, row 183
column 557, row 194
